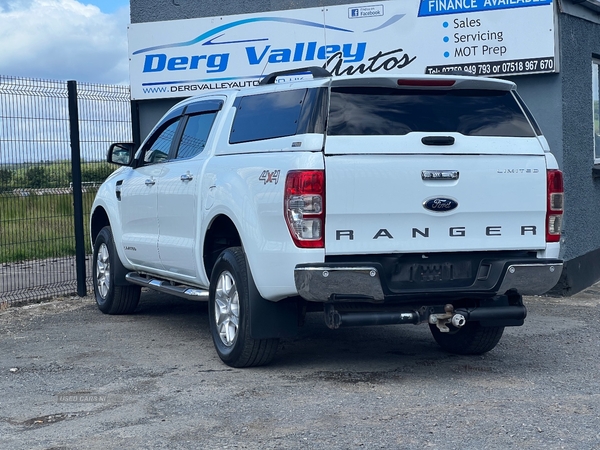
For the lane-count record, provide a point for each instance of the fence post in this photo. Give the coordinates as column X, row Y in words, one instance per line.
column 77, row 192
column 135, row 123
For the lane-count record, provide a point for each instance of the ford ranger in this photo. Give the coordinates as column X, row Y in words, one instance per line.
column 376, row 200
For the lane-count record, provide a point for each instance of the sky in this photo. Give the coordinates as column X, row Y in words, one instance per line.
column 82, row 40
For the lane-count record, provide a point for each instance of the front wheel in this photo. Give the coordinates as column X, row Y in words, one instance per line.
column 110, row 298
column 229, row 309
column 471, row 339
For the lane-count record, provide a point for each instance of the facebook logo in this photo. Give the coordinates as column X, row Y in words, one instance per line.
column 367, row 11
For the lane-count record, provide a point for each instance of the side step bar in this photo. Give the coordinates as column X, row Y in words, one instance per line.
column 180, row 290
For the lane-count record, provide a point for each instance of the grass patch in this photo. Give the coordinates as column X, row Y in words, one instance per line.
column 40, row 226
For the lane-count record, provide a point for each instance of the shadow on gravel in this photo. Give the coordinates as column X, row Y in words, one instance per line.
column 159, row 305
column 377, row 354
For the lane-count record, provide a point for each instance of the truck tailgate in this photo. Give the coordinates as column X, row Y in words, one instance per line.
column 382, row 203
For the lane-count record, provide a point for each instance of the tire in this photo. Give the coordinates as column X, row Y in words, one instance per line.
column 110, row 298
column 229, row 305
column 471, row 339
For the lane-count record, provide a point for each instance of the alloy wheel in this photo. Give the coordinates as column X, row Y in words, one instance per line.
column 227, row 308
column 103, row 271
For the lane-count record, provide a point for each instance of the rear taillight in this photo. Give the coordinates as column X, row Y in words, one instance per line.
column 555, row 206
column 304, row 207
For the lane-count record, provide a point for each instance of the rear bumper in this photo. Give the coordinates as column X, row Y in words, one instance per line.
column 375, row 282
column 531, row 279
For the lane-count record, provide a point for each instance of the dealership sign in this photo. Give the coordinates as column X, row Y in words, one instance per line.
column 485, row 37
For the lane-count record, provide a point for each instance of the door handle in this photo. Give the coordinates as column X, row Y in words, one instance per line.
column 150, row 182
column 187, row 177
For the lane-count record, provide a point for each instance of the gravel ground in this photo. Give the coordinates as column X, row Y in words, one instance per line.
column 71, row 377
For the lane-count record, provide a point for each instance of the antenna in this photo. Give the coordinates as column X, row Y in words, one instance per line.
column 264, row 68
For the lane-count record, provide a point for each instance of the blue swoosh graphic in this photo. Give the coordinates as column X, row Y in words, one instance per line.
column 392, row 20
column 238, row 23
column 211, row 41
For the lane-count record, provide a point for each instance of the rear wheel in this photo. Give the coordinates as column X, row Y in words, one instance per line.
column 229, row 306
column 471, row 339
column 111, row 299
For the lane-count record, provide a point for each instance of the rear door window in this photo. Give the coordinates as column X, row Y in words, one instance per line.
column 195, row 134
column 388, row 111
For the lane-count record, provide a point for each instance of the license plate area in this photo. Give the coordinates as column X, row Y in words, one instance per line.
column 437, row 274
column 421, row 273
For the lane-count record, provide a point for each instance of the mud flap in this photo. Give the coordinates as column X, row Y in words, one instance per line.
column 271, row 319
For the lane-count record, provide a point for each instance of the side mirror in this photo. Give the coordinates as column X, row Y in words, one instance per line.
column 121, row 153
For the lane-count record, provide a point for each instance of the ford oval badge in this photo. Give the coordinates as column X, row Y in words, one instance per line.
column 440, row 204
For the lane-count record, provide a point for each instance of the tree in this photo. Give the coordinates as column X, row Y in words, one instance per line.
column 5, row 178
column 95, row 172
column 36, row 177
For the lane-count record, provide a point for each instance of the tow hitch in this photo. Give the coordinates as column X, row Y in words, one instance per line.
column 449, row 316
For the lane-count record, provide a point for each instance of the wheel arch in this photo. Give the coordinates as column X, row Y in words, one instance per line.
column 98, row 221
column 222, row 233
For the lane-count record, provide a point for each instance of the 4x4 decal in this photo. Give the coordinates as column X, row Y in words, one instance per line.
column 270, row 177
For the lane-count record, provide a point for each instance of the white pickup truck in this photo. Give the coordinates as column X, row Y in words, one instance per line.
column 376, row 200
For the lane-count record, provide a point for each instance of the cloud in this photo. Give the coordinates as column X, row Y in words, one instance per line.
column 63, row 39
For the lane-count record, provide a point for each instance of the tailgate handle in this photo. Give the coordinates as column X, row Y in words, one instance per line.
column 438, row 140
column 439, row 175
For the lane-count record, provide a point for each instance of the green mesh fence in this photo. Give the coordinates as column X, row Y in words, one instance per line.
column 37, row 238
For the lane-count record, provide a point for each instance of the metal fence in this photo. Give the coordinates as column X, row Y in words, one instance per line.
column 44, row 176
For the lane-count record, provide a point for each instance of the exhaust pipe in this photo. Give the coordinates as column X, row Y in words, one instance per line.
column 458, row 320
column 498, row 315
column 515, row 312
column 335, row 319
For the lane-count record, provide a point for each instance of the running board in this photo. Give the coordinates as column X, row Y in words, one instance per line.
column 183, row 291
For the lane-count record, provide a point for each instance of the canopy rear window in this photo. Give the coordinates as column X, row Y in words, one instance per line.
column 390, row 111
